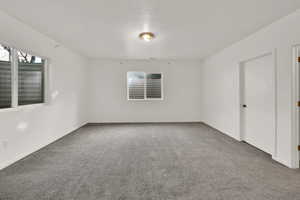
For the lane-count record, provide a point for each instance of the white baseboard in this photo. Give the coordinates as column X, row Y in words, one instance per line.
column 283, row 162
column 26, row 154
column 142, row 122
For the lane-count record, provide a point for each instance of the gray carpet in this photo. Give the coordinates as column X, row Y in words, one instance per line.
column 149, row 162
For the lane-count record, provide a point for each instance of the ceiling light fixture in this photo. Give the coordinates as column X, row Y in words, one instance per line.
column 147, row 36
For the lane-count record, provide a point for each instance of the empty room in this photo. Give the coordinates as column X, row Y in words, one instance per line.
column 149, row 100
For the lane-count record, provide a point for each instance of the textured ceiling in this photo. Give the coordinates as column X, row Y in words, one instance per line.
column 185, row 29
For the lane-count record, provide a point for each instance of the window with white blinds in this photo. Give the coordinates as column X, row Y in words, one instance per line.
column 30, row 79
column 21, row 78
column 136, row 84
column 5, row 77
column 153, row 87
column 144, row 86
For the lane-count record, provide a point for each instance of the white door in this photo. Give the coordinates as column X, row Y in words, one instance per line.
column 298, row 99
column 259, row 103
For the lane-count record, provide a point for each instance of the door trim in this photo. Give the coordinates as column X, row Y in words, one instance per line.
column 295, row 108
column 273, row 53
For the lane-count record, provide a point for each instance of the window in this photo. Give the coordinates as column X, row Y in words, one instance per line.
column 136, row 84
column 31, row 79
column 144, row 86
column 153, row 86
column 21, row 78
column 5, row 77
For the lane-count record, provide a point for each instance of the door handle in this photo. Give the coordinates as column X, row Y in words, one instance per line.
column 244, row 106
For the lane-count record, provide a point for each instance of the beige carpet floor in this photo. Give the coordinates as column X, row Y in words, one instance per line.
column 149, row 162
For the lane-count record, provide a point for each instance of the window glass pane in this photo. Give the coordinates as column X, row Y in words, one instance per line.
column 154, row 86
column 5, row 77
column 136, row 84
column 31, row 79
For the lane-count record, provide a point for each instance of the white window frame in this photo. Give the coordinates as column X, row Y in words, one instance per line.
column 14, row 76
column 145, row 87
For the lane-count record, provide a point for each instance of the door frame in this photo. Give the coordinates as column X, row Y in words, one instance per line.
column 295, row 108
column 242, row 90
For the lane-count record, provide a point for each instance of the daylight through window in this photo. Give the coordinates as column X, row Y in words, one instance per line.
column 144, row 86
column 22, row 77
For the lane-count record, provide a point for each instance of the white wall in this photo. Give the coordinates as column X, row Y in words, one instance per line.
column 108, row 92
column 206, row 92
column 220, row 81
column 27, row 129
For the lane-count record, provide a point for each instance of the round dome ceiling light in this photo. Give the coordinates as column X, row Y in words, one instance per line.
column 147, row 36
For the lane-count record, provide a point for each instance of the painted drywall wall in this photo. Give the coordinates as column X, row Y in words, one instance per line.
column 220, row 82
column 28, row 128
column 108, row 92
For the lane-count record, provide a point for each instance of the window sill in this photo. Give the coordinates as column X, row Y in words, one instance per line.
column 145, row 99
column 22, row 108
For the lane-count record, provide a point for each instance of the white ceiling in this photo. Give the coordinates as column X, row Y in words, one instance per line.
column 185, row 29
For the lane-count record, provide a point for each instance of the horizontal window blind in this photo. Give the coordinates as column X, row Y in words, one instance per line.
column 5, row 84
column 136, row 84
column 31, row 83
column 29, row 70
column 153, row 86
column 143, row 86
column 5, row 77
